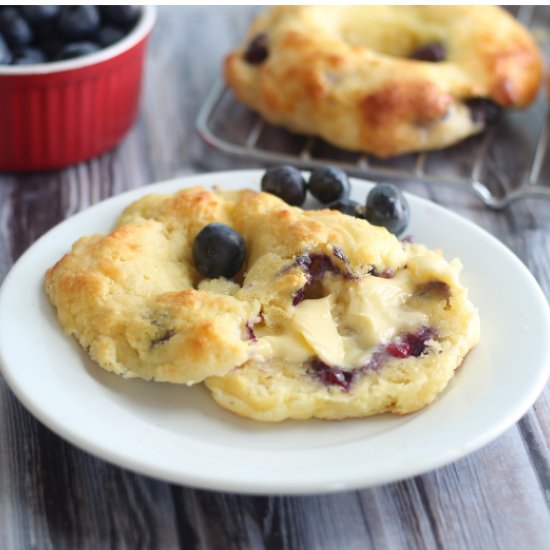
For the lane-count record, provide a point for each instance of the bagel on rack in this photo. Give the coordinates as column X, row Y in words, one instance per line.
column 385, row 80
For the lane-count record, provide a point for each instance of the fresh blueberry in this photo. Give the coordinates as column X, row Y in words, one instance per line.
column 48, row 39
column 125, row 16
column 108, row 35
column 387, row 207
column 39, row 15
column 257, row 51
column 76, row 49
column 5, row 54
column 28, row 56
column 329, row 184
column 483, row 111
column 348, row 206
column 218, row 251
column 285, row 182
column 78, row 22
column 15, row 30
column 51, row 46
column 432, row 52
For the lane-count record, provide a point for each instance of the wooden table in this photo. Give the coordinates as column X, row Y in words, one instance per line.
column 53, row 495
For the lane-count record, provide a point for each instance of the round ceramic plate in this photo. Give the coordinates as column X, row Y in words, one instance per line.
column 179, row 434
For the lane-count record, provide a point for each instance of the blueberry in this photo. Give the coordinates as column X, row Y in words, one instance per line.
column 78, row 22
column 387, row 207
column 15, row 30
column 39, row 15
column 347, row 206
column 257, row 51
column 51, row 46
column 432, row 52
column 218, row 251
column 28, row 56
column 483, row 111
column 285, row 182
column 126, row 16
column 5, row 54
column 47, row 39
column 76, row 49
column 329, row 184
column 108, row 35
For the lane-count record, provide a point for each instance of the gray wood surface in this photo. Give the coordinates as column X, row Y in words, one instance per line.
column 54, row 496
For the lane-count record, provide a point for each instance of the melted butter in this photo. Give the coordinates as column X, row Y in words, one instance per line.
column 371, row 312
column 355, row 354
column 312, row 331
column 375, row 311
column 313, row 320
column 289, row 346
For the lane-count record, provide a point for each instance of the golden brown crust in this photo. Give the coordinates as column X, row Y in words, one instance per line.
column 343, row 72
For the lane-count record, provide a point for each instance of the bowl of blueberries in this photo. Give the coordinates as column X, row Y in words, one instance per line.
column 70, row 81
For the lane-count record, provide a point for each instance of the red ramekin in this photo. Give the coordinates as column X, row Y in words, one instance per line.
column 56, row 114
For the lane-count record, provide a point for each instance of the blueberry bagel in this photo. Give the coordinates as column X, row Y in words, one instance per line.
column 385, row 80
column 317, row 314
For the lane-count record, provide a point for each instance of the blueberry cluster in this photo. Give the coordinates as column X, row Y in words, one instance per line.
column 219, row 251
column 385, row 206
column 39, row 34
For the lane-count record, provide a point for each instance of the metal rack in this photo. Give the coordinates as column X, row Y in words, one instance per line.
column 220, row 103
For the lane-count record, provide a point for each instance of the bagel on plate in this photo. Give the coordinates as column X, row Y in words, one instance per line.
column 329, row 316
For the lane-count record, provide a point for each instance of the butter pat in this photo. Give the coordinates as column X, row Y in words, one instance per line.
column 375, row 312
column 371, row 312
column 313, row 320
column 289, row 346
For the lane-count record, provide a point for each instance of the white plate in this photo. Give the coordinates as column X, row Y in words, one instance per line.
column 179, row 434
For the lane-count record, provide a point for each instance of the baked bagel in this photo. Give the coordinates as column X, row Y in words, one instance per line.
column 385, row 80
column 329, row 317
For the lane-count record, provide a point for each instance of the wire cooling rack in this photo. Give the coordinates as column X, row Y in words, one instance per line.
column 507, row 163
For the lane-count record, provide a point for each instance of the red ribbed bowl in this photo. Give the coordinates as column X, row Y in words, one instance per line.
column 56, row 114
